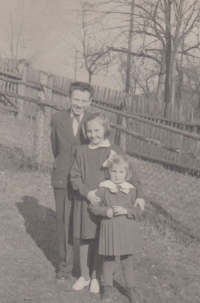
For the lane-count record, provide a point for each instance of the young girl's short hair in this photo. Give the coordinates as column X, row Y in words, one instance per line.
column 101, row 118
column 121, row 160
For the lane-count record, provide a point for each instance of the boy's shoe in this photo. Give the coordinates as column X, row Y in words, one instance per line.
column 81, row 283
column 107, row 294
column 62, row 276
column 94, row 286
column 132, row 294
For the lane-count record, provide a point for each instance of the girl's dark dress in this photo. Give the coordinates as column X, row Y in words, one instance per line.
column 119, row 235
column 86, row 174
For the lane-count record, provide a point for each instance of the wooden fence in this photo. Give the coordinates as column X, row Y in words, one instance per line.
column 153, row 141
column 140, row 104
column 182, row 118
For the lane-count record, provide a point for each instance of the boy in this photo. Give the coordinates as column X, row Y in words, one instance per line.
column 66, row 135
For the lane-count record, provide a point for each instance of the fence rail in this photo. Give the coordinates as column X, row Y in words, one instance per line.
column 134, row 134
column 174, row 123
column 141, row 105
column 148, row 133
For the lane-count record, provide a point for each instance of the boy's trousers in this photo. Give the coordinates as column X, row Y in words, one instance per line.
column 64, row 218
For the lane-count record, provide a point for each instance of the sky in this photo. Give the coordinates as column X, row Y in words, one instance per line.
column 47, row 35
column 47, row 28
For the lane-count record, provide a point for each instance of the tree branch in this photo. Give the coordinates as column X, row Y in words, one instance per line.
column 141, row 54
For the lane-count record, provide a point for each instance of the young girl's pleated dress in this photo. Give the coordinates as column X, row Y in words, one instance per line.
column 119, row 235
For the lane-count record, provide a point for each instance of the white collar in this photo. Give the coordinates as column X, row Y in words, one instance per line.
column 80, row 117
column 104, row 143
column 124, row 187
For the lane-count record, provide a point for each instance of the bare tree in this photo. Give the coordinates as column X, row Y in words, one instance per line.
column 17, row 41
column 142, row 76
column 12, row 37
column 91, row 48
column 162, row 27
column 165, row 33
column 187, row 19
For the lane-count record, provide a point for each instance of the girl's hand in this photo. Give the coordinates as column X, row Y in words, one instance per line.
column 110, row 213
column 119, row 210
column 140, row 202
column 92, row 197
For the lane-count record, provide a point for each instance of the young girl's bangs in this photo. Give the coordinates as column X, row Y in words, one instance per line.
column 121, row 160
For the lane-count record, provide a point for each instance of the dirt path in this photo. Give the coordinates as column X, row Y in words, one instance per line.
column 167, row 271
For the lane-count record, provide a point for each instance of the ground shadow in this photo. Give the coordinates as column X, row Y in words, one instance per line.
column 40, row 223
column 122, row 291
column 120, row 288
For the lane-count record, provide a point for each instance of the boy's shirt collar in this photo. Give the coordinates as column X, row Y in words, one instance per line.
column 124, row 187
column 80, row 117
column 104, row 143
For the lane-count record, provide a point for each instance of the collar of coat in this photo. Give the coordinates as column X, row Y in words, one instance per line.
column 80, row 116
column 124, row 187
column 104, row 143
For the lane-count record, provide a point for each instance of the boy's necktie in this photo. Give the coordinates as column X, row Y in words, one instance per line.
column 75, row 124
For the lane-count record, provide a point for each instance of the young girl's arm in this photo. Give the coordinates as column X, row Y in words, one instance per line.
column 76, row 176
column 77, row 180
column 135, row 209
column 100, row 209
column 137, row 184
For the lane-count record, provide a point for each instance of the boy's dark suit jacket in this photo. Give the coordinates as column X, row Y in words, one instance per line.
column 64, row 146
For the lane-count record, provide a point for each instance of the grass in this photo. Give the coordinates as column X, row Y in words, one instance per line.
column 177, row 194
column 166, row 271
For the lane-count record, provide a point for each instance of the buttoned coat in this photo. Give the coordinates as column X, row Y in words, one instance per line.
column 64, row 145
column 119, row 235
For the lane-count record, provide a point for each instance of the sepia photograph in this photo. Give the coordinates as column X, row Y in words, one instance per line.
column 99, row 151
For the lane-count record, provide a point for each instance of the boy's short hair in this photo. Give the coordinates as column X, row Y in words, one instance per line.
column 101, row 118
column 122, row 160
column 82, row 86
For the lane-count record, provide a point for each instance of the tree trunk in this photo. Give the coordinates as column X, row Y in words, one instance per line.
column 174, row 56
column 130, row 38
column 90, row 78
column 168, row 55
column 180, row 84
column 161, row 81
column 180, row 76
column 124, row 121
column 173, row 81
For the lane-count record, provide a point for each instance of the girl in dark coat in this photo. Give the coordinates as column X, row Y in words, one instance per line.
column 86, row 174
column 119, row 232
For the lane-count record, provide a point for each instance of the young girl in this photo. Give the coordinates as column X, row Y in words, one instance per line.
column 119, row 233
column 86, row 174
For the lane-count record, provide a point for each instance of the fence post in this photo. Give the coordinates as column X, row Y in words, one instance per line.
column 49, row 92
column 47, row 121
column 21, row 90
column 40, row 122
